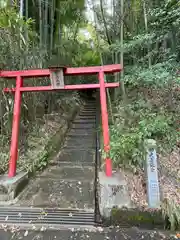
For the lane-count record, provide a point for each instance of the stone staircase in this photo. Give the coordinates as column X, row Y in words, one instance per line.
column 60, row 202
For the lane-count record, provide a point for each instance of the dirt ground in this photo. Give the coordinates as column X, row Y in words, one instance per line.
column 169, row 179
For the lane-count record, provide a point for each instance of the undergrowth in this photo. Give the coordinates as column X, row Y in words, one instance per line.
column 171, row 214
column 134, row 123
column 151, row 110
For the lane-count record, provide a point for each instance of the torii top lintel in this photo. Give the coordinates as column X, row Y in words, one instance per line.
column 67, row 71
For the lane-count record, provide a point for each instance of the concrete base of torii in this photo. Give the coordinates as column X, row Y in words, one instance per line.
column 113, row 192
column 11, row 187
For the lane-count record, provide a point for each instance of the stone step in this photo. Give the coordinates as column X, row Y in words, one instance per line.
column 69, row 172
column 59, row 193
column 75, row 164
column 89, row 107
column 85, row 117
column 80, row 122
column 79, row 141
column 80, row 147
column 86, row 114
column 80, row 135
column 85, row 121
column 81, row 138
column 76, row 155
column 83, row 130
column 92, row 111
column 82, row 125
column 90, row 104
column 86, row 128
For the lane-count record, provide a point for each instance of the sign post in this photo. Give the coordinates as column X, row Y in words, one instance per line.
column 57, row 78
column 151, row 169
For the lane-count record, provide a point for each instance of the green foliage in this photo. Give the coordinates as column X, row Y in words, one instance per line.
column 155, row 126
column 4, row 162
column 171, row 213
column 159, row 75
column 125, row 148
column 16, row 35
column 166, row 16
column 139, row 41
column 135, row 123
column 70, row 10
column 41, row 162
column 9, row 19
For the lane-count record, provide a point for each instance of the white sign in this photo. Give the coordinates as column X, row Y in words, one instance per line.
column 152, row 179
column 57, row 79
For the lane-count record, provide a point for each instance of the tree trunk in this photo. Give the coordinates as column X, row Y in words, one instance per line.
column 40, row 24
column 146, row 28
column 52, row 26
column 122, row 53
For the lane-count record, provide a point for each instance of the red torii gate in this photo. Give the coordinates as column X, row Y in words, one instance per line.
column 19, row 89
